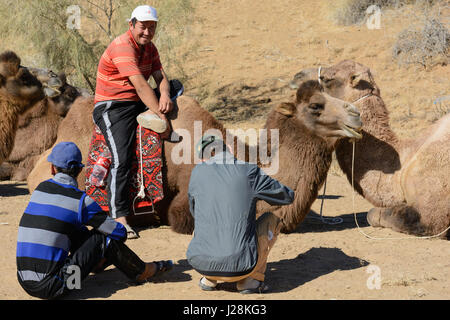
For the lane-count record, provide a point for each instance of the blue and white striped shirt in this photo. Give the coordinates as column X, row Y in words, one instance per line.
column 57, row 211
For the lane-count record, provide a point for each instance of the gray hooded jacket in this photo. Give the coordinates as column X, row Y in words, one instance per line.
column 222, row 196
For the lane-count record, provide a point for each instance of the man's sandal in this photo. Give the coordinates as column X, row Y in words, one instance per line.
column 206, row 287
column 162, row 267
column 131, row 233
column 261, row 288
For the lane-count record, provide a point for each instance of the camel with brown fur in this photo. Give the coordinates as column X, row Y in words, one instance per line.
column 38, row 126
column 308, row 130
column 406, row 180
column 19, row 90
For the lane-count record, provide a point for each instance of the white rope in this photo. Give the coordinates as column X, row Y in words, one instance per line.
column 363, row 97
column 327, row 220
column 381, row 238
column 318, row 75
column 141, row 193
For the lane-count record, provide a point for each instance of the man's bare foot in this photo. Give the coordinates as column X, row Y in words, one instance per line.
column 121, row 220
column 131, row 233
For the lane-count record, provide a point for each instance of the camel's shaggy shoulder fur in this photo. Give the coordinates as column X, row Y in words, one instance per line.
column 19, row 90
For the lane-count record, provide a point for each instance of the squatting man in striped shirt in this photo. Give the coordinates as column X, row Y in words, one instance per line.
column 56, row 250
column 124, row 98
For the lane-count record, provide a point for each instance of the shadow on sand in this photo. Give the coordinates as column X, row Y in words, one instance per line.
column 107, row 283
column 12, row 189
column 313, row 223
column 288, row 274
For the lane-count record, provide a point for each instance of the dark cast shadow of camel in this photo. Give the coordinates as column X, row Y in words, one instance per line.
column 12, row 189
column 313, row 222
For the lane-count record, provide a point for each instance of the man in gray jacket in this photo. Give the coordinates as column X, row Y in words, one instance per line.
column 229, row 244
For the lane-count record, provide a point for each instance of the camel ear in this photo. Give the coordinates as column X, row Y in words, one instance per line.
column 354, row 80
column 63, row 77
column 287, row 109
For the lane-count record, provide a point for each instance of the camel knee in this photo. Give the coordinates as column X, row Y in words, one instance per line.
column 179, row 216
column 373, row 217
column 400, row 218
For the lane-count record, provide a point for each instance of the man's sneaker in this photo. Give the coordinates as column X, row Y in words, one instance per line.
column 176, row 89
column 207, row 285
column 250, row 285
column 152, row 121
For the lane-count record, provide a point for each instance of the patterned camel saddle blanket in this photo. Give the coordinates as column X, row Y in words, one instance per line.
column 151, row 170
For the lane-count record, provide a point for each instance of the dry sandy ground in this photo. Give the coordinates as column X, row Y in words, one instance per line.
column 317, row 261
column 239, row 55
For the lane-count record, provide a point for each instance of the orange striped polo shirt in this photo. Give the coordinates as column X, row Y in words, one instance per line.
column 123, row 58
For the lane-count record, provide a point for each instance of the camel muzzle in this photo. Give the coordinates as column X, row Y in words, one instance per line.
column 49, row 80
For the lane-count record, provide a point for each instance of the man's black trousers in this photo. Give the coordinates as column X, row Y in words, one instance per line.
column 117, row 121
column 86, row 253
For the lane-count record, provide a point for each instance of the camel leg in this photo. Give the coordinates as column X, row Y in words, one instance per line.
column 401, row 218
column 179, row 216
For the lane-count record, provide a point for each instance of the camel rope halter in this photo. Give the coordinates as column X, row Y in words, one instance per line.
column 325, row 220
column 337, row 220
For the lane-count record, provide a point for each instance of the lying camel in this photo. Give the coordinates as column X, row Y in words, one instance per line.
column 308, row 130
column 406, row 180
column 19, row 91
column 38, row 126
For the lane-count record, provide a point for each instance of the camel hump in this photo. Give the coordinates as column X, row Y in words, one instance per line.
column 429, row 168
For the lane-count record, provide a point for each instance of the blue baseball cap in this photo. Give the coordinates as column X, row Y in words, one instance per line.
column 66, row 155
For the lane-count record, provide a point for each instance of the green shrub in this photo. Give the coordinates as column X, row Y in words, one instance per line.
column 40, row 28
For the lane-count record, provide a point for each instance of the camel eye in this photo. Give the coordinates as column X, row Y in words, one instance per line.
column 326, row 81
column 316, row 107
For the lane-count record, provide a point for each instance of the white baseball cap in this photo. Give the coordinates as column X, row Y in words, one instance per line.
column 144, row 13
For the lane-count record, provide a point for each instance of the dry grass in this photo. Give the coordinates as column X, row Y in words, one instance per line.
column 441, row 108
column 354, row 11
column 426, row 41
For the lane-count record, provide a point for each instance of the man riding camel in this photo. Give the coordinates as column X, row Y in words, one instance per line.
column 124, row 98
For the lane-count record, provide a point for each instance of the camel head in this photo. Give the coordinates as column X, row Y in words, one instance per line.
column 325, row 116
column 56, row 88
column 346, row 80
column 17, row 84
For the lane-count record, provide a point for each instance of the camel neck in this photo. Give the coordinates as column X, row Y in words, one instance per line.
column 375, row 119
column 304, row 160
column 376, row 154
column 8, row 127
